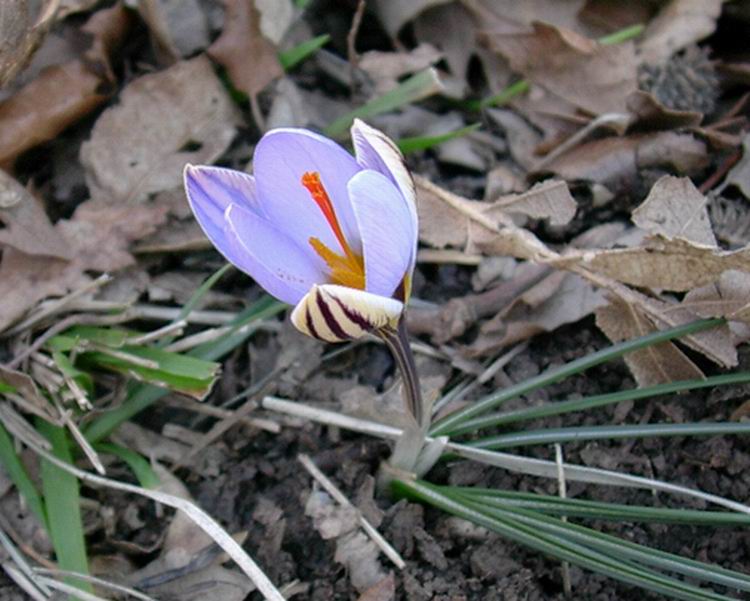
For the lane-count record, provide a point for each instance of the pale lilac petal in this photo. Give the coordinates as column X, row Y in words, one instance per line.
column 273, row 260
column 386, row 229
column 336, row 313
column 377, row 151
column 210, row 191
column 281, row 158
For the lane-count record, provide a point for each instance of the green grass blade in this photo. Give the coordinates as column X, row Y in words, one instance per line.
column 556, row 546
column 181, row 373
column 292, row 57
column 142, row 396
column 18, row 475
column 4, row 387
column 581, row 508
column 146, row 476
column 407, row 145
column 600, row 400
column 446, row 425
column 618, row 548
column 418, row 86
column 562, row 435
column 62, row 501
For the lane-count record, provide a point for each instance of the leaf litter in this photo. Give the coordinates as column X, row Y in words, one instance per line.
column 587, row 200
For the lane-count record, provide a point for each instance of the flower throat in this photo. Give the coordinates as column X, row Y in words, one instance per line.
column 347, row 269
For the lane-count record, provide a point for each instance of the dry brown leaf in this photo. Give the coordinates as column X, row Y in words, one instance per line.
column 558, row 299
column 249, row 57
column 385, row 590
column 26, row 388
column 213, row 582
column 62, row 94
column 98, row 237
column 662, row 264
column 353, row 549
column 457, row 42
column 656, row 364
column 650, row 114
column 549, row 200
column 739, row 175
column 521, row 137
column 387, row 68
column 675, row 208
column 679, row 24
column 616, row 161
column 728, row 297
column 586, row 74
column 140, row 146
column 394, row 14
column 22, row 30
column 511, row 16
column 446, row 219
column 27, row 228
column 178, row 28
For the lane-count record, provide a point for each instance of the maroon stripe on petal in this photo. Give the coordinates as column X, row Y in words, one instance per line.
column 309, row 323
column 330, row 318
column 353, row 316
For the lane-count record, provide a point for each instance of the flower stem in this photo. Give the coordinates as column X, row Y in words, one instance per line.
column 397, row 341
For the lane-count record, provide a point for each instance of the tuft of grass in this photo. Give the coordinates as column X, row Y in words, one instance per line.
column 622, row 560
column 62, row 502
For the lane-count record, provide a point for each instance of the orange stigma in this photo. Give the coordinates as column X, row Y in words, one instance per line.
column 347, row 269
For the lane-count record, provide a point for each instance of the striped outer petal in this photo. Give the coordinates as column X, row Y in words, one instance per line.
column 336, row 313
column 377, row 151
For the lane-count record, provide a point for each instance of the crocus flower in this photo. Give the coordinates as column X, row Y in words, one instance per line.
column 331, row 233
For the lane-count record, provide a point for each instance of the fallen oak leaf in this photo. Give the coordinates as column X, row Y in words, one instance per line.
column 140, row 146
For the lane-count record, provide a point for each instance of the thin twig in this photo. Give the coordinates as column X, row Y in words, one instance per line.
column 204, row 521
column 341, row 499
column 351, row 41
column 174, row 328
column 59, row 304
column 21, row 563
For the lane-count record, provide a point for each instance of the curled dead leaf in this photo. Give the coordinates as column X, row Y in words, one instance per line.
column 163, row 121
column 248, row 56
column 586, row 74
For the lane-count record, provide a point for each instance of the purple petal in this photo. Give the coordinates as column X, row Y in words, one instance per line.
column 386, row 229
column 210, row 191
column 377, row 151
column 273, row 260
column 281, row 158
